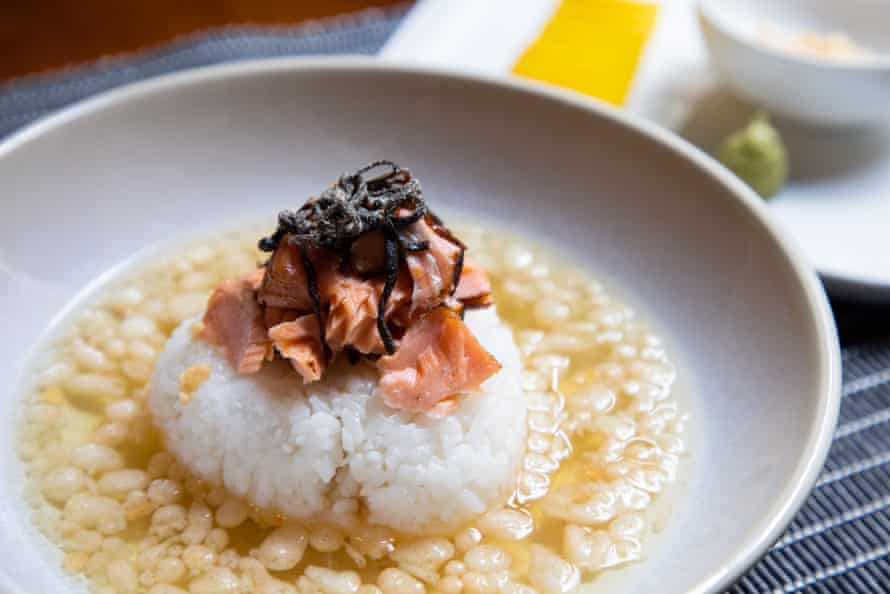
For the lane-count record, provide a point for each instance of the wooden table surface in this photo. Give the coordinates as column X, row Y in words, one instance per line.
column 39, row 35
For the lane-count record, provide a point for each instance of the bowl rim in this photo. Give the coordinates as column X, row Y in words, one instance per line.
column 774, row 520
column 878, row 63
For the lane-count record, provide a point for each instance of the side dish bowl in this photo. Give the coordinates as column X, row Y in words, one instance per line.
column 681, row 237
column 746, row 37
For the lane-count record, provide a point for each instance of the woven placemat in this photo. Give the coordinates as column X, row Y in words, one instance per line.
column 840, row 540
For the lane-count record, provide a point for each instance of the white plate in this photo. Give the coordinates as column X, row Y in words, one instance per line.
column 838, row 204
column 684, row 240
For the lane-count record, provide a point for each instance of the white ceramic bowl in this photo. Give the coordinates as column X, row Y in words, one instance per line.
column 663, row 222
column 812, row 90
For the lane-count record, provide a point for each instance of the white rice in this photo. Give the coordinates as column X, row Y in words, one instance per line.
column 317, row 452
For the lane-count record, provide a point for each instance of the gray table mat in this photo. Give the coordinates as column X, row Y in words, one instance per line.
column 26, row 99
column 840, row 540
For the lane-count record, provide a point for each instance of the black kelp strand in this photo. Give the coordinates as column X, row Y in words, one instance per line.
column 352, row 355
column 392, row 271
column 352, row 207
column 312, row 287
column 374, row 197
column 458, row 270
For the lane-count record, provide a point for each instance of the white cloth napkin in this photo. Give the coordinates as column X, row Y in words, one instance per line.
column 489, row 36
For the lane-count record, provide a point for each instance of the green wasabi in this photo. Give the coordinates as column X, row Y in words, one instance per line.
column 757, row 155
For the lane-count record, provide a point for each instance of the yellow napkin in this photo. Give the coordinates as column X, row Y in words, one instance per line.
column 591, row 46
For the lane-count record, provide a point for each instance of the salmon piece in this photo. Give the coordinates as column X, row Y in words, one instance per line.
column 299, row 342
column 401, row 293
column 255, row 278
column 402, row 316
column 437, row 359
column 234, row 321
column 352, row 318
column 285, row 283
column 272, row 316
column 368, row 253
column 455, row 305
column 432, row 270
column 474, row 288
column 445, row 407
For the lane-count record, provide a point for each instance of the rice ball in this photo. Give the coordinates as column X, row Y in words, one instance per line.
column 332, row 450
